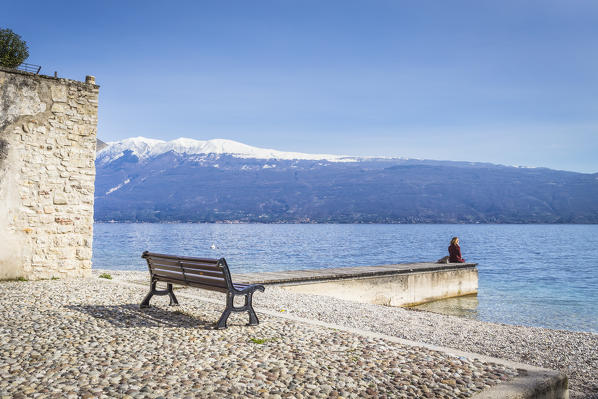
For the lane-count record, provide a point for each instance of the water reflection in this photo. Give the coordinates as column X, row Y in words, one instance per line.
column 463, row 306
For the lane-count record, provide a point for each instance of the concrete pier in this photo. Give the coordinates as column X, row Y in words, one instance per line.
column 405, row 284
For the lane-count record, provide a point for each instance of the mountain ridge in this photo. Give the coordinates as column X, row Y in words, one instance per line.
column 177, row 182
column 144, row 148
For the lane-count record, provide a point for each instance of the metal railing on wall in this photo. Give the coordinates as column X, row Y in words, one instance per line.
column 29, row 68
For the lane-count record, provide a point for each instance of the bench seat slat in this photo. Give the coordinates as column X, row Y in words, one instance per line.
column 192, row 284
column 198, row 265
column 202, row 271
column 195, row 278
column 159, row 265
column 170, row 274
column 208, row 287
column 175, row 257
column 209, row 273
column 186, row 263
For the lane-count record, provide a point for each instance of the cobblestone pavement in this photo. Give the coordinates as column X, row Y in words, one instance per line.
column 88, row 338
column 572, row 353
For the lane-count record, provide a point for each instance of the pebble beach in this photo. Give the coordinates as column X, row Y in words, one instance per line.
column 88, row 338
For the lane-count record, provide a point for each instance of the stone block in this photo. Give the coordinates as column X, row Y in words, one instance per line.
column 83, row 253
column 38, row 259
column 63, row 220
column 68, row 253
column 63, row 229
column 60, row 198
column 59, row 108
column 58, row 93
column 46, row 219
column 68, row 265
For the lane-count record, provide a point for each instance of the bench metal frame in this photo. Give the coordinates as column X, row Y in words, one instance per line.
column 205, row 273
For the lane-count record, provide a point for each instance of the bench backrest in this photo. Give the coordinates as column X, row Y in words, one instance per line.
column 201, row 272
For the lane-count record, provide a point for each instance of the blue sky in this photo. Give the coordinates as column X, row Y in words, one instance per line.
column 510, row 82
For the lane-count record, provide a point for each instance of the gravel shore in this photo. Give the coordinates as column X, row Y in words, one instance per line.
column 88, row 338
column 572, row 353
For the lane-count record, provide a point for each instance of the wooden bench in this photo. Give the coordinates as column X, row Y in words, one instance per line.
column 209, row 274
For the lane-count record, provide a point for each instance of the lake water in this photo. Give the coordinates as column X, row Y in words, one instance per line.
column 537, row 275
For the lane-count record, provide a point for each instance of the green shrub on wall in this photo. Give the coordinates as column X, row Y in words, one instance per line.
column 13, row 50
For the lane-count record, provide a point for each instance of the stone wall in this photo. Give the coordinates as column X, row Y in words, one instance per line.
column 47, row 151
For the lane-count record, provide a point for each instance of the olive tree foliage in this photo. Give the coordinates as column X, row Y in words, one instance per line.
column 13, row 50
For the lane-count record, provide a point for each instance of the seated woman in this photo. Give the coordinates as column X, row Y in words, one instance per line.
column 455, row 251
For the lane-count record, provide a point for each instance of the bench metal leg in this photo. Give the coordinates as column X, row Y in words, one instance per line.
column 222, row 321
column 173, row 300
column 146, row 300
column 153, row 291
column 230, row 307
column 253, row 320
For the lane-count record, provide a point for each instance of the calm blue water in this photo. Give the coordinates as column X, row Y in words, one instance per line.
column 539, row 275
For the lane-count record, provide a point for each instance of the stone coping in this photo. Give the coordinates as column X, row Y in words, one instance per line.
column 338, row 273
column 31, row 74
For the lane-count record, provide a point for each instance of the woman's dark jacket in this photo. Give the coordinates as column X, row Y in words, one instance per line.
column 455, row 254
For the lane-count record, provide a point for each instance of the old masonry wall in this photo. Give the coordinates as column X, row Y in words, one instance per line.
column 47, row 150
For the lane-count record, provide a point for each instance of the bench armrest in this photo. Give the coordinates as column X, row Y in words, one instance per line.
column 249, row 288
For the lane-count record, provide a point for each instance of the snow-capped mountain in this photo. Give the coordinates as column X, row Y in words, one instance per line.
column 187, row 180
column 145, row 148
